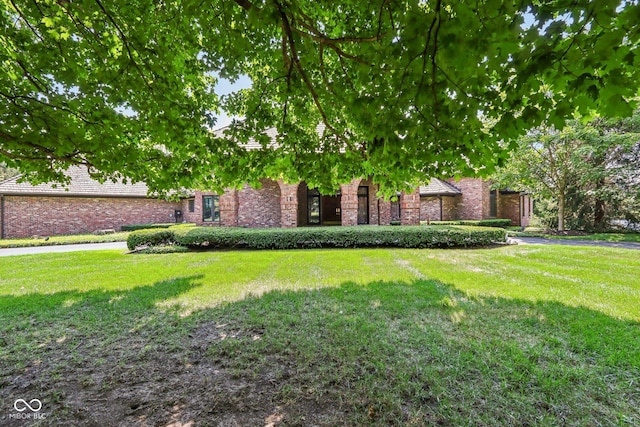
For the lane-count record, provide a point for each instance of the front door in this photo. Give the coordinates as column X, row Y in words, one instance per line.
column 331, row 212
column 323, row 210
column 363, row 205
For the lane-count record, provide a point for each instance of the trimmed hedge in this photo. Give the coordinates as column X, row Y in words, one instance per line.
column 498, row 222
column 150, row 237
column 319, row 237
column 134, row 227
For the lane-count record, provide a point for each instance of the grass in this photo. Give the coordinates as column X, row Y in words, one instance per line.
column 524, row 335
column 64, row 240
column 605, row 237
column 600, row 237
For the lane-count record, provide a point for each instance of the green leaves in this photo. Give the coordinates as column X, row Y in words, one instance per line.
column 401, row 91
column 591, row 165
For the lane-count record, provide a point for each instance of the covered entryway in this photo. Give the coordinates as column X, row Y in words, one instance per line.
column 353, row 204
column 318, row 209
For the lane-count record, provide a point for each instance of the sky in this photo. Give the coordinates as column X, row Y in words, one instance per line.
column 225, row 87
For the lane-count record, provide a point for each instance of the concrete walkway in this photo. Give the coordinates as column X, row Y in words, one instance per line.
column 63, row 248
column 542, row 241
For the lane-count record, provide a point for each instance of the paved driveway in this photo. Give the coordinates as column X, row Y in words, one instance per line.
column 542, row 241
column 63, row 248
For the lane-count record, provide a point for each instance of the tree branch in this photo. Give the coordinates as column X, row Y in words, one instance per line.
column 125, row 42
column 245, row 4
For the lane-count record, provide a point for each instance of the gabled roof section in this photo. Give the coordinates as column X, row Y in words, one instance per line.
column 81, row 185
column 438, row 187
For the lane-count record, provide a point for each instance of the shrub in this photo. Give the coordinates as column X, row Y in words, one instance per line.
column 166, row 249
column 150, row 237
column 498, row 222
column 134, row 227
column 317, row 237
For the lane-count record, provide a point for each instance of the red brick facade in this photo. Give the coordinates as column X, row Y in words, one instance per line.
column 517, row 207
column 27, row 216
column 439, row 208
column 474, row 201
column 274, row 204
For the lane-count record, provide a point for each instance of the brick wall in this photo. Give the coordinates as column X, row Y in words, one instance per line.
column 259, row 207
column 474, row 201
column 430, row 208
column 509, row 207
column 386, row 213
column 288, row 205
column 27, row 216
column 349, row 202
column 229, row 208
column 410, row 208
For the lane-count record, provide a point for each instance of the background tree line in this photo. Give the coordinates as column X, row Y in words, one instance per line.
column 583, row 176
column 7, row 172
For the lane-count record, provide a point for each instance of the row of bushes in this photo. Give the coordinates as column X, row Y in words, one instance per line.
column 134, row 227
column 498, row 222
column 318, row 237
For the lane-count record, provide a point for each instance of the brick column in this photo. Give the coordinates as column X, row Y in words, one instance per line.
column 229, row 208
column 410, row 208
column 349, row 202
column 288, row 205
column 384, row 212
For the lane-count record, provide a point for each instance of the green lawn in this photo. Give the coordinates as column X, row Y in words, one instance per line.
column 64, row 240
column 601, row 237
column 516, row 335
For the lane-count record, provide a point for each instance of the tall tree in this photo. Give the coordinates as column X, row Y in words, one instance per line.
column 589, row 171
column 402, row 90
column 6, row 173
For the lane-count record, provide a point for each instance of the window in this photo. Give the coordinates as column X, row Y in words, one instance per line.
column 192, row 205
column 313, row 206
column 493, row 204
column 395, row 210
column 363, row 205
column 211, row 208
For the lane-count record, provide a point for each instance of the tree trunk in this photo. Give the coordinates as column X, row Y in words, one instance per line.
column 599, row 215
column 561, row 213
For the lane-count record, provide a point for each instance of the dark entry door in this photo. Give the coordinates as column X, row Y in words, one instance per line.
column 331, row 211
column 363, row 205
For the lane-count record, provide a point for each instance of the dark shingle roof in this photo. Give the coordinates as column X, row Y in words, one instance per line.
column 81, row 185
column 438, row 187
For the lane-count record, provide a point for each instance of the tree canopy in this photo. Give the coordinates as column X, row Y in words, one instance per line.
column 401, row 90
column 585, row 175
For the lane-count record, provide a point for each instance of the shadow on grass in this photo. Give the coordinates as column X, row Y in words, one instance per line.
column 419, row 353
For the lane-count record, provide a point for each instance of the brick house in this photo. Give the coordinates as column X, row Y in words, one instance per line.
column 87, row 205
column 277, row 204
column 473, row 198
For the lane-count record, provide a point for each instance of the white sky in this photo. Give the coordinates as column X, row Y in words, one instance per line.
column 225, row 87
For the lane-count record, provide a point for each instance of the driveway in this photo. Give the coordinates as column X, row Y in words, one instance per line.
column 62, row 248
column 542, row 241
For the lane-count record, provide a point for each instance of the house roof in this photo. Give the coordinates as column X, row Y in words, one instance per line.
column 81, row 184
column 438, row 187
column 272, row 133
